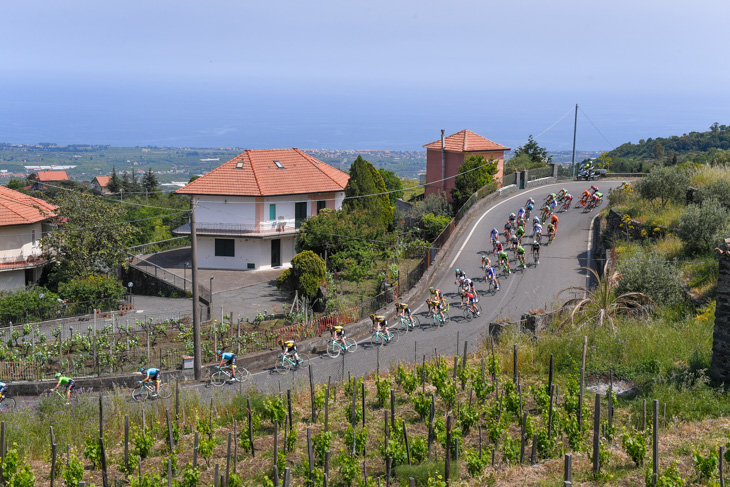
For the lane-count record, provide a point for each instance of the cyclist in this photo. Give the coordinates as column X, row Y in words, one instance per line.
column 152, row 374
column 594, row 189
column 549, row 197
column 553, row 204
column 435, row 307
column 521, row 213
column 3, row 390
column 529, row 207
column 554, row 221
column 485, row 262
column 498, row 247
column 568, row 200
column 512, row 218
column 403, row 309
column 513, row 242
column 585, row 197
column 68, row 383
column 520, row 233
column 491, row 275
column 598, row 197
column 537, row 231
column 520, row 252
column 337, row 332
column 288, row 347
column 504, row 259
column 494, row 236
column 551, row 232
column 230, row 359
column 380, row 323
column 436, row 293
column 561, row 194
column 460, row 274
column 536, row 250
column 507, row 230
column 529, row 202
column 470, row 301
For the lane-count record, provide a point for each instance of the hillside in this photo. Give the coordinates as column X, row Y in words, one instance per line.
column 718, row 137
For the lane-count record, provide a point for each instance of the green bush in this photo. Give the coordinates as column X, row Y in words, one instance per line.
column 433, row 225
column 26, row 305
column 703, row 227
column 96, row 290
column 645, row 271
column 718, row 189
column 635, row 444
column 663, row 184
column 306, row 274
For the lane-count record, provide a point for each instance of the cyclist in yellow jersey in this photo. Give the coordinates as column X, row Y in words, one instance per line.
column 338, row 334
column 380, row 324
column 403, row 309
column 288, row 347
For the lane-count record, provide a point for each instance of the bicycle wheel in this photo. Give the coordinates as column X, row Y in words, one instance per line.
column 394, row 335
column 446, row 317
column 351, row 345
column 415, row 322
column 303, row 361
column 218, row 379
column 8, row 404
column 166, row 390
column 404, row 326
column 376, row 340
column 282, row 365
column 467, row 314
column 333, row 349
column 139, row 394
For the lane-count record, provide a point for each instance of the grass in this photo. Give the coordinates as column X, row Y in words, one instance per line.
column 706, row 174
column 638, row 209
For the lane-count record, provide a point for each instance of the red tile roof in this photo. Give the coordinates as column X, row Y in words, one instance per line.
column 48, row 176
column 103, row 180
column 466, row 141
column 20, row 209
column 259, row 175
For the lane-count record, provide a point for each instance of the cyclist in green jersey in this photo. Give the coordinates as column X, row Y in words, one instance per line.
column 68, row 383
column 504, row 260
column 520, row 252
column 520, row 233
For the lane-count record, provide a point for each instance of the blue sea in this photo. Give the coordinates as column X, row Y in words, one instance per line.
column 187, row 114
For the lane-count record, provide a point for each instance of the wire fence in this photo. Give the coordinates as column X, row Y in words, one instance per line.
column 61, row 309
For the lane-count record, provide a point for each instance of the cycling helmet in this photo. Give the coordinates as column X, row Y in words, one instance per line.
column 141, row 369
column 494, row 230
column 512, row 216
column 594, row 188
column 531, row 201
column 372, row 316
column 564, row 191
column 220, row 352
column 521, row 210
column 57, row 375
column 536, row 219
column 457, row 270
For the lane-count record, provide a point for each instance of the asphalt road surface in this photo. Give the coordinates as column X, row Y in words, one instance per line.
column 536, row 287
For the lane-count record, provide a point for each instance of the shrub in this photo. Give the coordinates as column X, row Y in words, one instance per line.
column 96, row 290
column 664, row 184
column 646, row 272
column 141, row 443
column 306, row 274
column 433, row 225
column 718, row 189
column 702, row 227
column 74, row 472
column 671, row 477
column 25, row 305
column 705, row 466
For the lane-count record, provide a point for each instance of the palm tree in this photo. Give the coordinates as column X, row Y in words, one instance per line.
column 600, row 304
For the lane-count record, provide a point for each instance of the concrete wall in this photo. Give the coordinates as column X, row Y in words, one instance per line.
column 720, row 365
column 539, row 182
column 256, row 251
column 10, row 280
column 20, row 241
column 454, row 160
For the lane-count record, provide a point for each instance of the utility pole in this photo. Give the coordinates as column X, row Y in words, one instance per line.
column 575, row 132
column 197, row 355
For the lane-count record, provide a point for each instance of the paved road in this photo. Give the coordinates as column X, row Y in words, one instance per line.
column 536, row 287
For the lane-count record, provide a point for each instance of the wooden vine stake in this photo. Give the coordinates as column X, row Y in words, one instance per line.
column 568, row 478
column 655, row 445
column 597, row 436
column 447, row 456
column 720, row 465
column 582, row 382
column 250, row 426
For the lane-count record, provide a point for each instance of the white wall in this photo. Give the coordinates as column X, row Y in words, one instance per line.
column 219, row 209
column 10, row 280
column 246, row 250
column 17, row 241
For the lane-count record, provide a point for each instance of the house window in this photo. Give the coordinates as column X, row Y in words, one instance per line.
column 224, row 247
column 321, row 205
column 272, row 212
column 279, row 164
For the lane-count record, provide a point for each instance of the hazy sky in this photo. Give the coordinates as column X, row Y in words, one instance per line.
column 375, row 74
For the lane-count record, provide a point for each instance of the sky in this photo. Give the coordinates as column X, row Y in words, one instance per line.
column 360, row 75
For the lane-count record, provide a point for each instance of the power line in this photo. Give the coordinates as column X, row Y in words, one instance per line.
column 597, row 130
column 554, row 124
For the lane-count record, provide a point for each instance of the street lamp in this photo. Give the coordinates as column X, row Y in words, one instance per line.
column 41, row 296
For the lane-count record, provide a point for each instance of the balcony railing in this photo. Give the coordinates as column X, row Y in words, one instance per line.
column 20, row 262
column 269, row 227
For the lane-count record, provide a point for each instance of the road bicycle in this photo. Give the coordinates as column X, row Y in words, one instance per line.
column 286, row 362
column 492, row 285
column 537, row 236
column 437, row 320
column 551, row 237
column 545, row 213
column 60, row 395
column 7, row 403
column 407, row 325
column 335, row 347
column 380, row 339
column 506, row 268
column 471, row 311
column 224, row 374
column 593, row 204
column 445, row 308
column 536, row 257
column 565, row 206
column 521, row 261
column 147, row 390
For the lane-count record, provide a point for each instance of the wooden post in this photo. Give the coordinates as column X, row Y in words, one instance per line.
column 655, row 444
column 408, row 448
column 228, row 457
column 104, row 478
column 250, row 426
column 53, row 463
column 276, row 441
column 550, row 414
column 288, row 402
column 423, row 375
column 523, row 426
column 310, row 455
column 610, row 402
column 514, row 364
column 327, row 462
column 144, row 423
column 195, row 449
column 177, row 400
column 362, row 397
column 388, row 465
column 354, row 401
column 568, row 478
column 311, row 394
column 276, row 476
column 392, row 408
column 582, row 383
column 169, row 431
column 327, row 408
column 550, row 374
column 287, row 477
column 720, row 465
column 216, row 477
column 533, row 457
column 447, row 455
column 235, row 443
column 101, row 417
column 169, row 472
column 126, row 442
column 597, row 436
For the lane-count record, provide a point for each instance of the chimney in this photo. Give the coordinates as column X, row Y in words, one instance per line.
column 443, row 161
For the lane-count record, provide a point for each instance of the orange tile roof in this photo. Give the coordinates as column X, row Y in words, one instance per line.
column 260, row 176
column 103, row 180
column 48, row 176
column 466, row 141
column 20, row 209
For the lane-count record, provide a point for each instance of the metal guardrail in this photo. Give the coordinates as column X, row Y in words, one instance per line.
column 168, row 244
column 160, row 273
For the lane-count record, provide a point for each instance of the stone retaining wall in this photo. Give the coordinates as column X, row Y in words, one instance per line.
column 720, row 365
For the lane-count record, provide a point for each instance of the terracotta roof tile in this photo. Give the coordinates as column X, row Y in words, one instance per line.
column 103, row 180
column 48, row 176
column 20, row 209
column 466, row 141
column 260, row 176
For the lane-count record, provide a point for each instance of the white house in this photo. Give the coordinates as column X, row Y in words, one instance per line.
column 21, row 226
column 249, row 209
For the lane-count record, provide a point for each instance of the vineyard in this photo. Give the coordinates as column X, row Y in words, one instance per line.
column 467, row 420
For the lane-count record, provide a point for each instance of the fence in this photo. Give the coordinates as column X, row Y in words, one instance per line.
column 540, row 172
column 180, row 282
column 153, row 247
column 61, row 309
